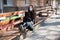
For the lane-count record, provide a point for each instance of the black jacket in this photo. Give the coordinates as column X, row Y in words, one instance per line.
column 29, row 16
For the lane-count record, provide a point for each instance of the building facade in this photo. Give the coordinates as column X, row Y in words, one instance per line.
column 9, row 4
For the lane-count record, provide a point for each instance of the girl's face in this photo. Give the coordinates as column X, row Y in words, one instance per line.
column 31, row 8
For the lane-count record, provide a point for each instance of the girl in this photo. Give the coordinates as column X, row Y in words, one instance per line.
column 29, row 18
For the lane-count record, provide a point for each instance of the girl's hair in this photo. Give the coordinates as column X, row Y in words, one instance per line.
column 33, row 12
column 32, row 6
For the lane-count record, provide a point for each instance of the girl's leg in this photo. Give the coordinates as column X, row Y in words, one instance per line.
column 30, row 25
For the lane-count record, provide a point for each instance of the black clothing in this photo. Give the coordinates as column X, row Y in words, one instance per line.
column 29, row 19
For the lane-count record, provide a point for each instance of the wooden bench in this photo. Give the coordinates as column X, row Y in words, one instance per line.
column 40, row 20
column 10, row 23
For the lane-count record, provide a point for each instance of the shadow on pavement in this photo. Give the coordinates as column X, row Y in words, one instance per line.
column 51, row 24
column 58, row 38
column 57, row 17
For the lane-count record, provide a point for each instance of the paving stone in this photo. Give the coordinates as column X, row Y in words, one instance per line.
column 42, row 28
column 27, row 39
column 42, row 32
column 53, row 28
column 51, row 37
column 29, row 33
column 53, row 32
column 47, row 31
column 58, row 26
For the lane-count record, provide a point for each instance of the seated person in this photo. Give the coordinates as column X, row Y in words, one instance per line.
column 29, row 18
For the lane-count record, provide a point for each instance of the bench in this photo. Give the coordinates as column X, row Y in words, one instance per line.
column 8, row 24
column 23, row 30
column 38, row 21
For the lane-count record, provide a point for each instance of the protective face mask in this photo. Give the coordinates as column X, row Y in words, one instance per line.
column 31, row 8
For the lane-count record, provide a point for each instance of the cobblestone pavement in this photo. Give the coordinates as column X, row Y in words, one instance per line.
column 49, row 30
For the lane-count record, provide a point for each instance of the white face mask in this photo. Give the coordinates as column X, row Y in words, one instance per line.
column 31, row 8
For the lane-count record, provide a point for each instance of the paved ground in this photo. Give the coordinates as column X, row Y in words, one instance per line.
column 49, row 30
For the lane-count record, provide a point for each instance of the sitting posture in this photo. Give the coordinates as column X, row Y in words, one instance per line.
column 29, row 18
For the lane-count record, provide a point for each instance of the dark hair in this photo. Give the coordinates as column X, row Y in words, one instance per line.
column 31, row 13
column 29, row 7
column 32, row 6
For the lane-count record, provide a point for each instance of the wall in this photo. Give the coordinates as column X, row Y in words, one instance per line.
column 20, row 3
column 34, row 2
column 42, row 2
column 27, row 2
column 10, row 2
column 0, row 4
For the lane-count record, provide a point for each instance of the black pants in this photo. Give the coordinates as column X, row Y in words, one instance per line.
column 29, row 25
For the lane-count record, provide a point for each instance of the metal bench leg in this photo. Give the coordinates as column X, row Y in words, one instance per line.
column 23, row 32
